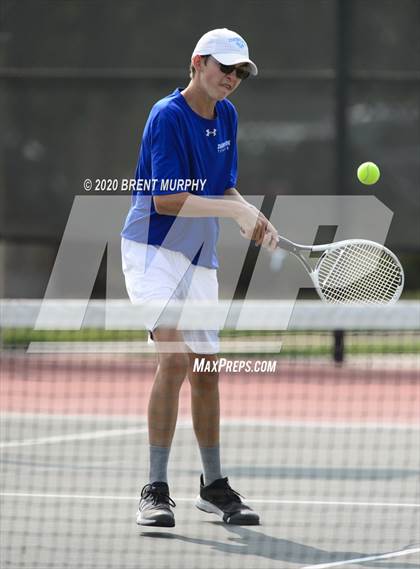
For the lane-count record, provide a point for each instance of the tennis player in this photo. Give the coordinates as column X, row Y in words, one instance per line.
column 188, row 162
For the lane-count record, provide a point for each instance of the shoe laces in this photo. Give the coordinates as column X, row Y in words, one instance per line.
column 158, row 497
column 230, row 493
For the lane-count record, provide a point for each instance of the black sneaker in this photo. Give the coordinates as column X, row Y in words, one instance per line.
column 155, row 506
column 219, row 498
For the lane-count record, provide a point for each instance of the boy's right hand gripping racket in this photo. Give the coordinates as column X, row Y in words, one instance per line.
column 354, row 271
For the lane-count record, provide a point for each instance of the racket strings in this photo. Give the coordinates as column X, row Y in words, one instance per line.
column 364, row 284
column 359, row 272
column 364, row 290
column 361, row 279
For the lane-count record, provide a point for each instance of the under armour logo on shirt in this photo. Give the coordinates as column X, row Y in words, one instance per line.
column 209, row 132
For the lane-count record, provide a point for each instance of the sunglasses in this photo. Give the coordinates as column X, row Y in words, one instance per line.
column 241, row 72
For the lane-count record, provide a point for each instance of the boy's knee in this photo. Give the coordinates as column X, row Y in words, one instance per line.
column 175, row 365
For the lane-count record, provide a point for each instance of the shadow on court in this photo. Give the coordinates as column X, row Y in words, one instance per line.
column 249, row 542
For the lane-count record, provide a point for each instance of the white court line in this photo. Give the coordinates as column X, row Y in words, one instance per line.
column 80, row 436
column 96, row 435
column 362, row 559
column 74, row 437
column 183, row 499
column 235, row 421
column 101, row 434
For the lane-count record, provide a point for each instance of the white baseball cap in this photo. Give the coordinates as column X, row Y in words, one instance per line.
column 228, row 47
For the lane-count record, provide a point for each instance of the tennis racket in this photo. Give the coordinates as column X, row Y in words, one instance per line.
column 354, row 271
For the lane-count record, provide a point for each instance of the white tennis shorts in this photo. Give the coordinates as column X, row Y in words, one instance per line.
column 169, row 275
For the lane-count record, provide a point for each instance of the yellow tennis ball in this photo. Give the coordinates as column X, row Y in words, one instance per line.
column 368, row 173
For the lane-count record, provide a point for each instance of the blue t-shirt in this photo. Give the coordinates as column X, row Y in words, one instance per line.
column 183, row 152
